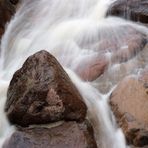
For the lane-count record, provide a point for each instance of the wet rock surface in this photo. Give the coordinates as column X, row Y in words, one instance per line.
column 91, row 68
column 135, row 10
column 67, row 135
column 124, row 46
column 111, row 50
column 14, row 2
column 131, row 46
column 129, row 102
column 41, row 92
column 7, row 10
column 144, row 77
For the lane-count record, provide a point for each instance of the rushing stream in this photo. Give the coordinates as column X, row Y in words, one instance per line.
column 70, row 30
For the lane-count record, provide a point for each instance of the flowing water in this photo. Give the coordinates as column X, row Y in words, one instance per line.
column 71, row 30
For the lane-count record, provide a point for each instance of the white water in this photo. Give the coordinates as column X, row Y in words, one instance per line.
column 70, row 30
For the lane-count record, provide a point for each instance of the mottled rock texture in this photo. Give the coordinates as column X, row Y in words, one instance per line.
column 135, row 10
column 129, row 102
column 41, row 92
column 67, row 135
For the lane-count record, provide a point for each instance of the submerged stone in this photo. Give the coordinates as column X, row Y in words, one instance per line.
column 91, row 68
column 125, row 44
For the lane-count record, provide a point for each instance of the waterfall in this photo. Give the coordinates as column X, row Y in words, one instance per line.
column 70, row 30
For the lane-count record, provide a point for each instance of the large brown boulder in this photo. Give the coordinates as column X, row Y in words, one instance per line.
column 135, row 10
column 129, row 102
column 67, row 135
column 41, row 92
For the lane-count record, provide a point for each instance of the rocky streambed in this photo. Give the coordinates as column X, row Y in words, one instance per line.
column 48, row 110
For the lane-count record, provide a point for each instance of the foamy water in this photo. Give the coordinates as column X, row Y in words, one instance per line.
column 71, row 30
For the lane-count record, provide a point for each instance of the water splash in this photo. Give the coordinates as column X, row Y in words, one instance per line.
column 72, row 34
column 106, row 131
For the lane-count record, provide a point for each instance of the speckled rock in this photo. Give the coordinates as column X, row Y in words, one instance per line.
column 67, row 135
column 41, row 92
column 129, row 102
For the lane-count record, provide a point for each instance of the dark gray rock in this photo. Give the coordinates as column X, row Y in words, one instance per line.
column 7, row 10
column 135, row 10
column 67, row 135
